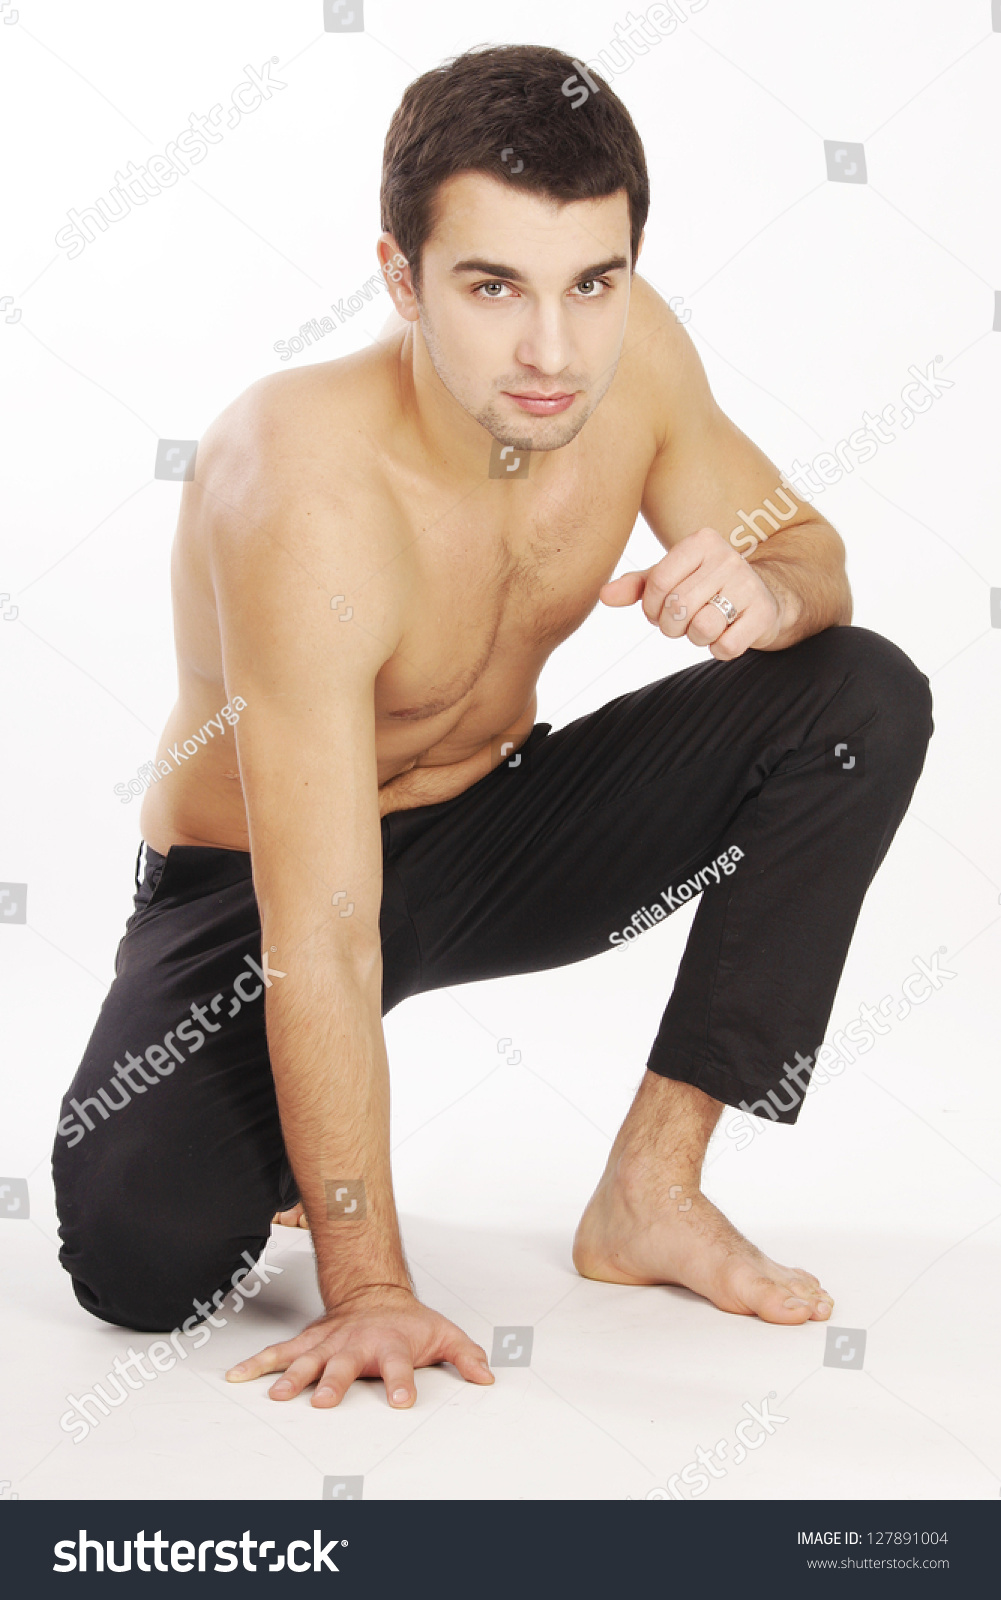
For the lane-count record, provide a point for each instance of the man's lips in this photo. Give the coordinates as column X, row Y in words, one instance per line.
column 541, row 405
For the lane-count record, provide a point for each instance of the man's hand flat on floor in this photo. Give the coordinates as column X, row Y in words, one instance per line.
column 376, row 1331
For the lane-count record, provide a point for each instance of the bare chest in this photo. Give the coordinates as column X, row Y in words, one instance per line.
column 492, row 598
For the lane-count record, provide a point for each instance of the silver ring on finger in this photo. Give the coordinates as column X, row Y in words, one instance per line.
column 722, row 604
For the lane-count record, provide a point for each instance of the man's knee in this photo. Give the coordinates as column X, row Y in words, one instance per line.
column 150, row 1268
column 177, row 1294
column 877, row 687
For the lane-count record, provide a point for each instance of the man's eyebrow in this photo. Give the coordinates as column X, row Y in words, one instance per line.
column 496, row 269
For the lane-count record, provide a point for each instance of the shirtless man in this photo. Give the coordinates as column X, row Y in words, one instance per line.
column 357, row 572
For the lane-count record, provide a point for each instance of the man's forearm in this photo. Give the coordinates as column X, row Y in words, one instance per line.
column 331, row 1073
column 804, row 568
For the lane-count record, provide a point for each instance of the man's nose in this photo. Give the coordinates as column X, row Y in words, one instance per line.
column 544, row 345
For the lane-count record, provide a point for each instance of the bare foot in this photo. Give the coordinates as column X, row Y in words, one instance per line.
column 625, row 1236
column 296, row 1218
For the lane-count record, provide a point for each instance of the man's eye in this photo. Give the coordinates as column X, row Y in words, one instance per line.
column 592, row 283
column 486, row 286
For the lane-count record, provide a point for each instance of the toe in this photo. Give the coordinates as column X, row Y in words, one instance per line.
column 774, row 1302
column 804, row 1286
column 800, row 1286
column 801, row 1272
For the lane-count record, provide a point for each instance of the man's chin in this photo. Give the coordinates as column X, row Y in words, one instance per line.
column 548, row 433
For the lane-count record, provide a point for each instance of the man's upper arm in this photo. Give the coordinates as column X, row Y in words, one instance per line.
column 306, row 740
column 706, row 471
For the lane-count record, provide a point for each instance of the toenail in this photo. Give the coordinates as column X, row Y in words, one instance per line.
column 825, row 1306
column 795, row 1302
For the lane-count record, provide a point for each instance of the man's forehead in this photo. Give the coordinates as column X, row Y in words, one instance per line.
column 470, row 202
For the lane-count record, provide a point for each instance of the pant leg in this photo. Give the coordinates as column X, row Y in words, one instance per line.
column 167, row 1177
column 547, row 862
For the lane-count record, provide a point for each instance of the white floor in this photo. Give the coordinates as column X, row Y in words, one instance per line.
column 884, row 1189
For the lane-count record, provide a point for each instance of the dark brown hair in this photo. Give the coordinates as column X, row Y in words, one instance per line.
column 496, row 106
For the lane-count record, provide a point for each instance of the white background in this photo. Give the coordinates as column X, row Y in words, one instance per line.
column 809, row 301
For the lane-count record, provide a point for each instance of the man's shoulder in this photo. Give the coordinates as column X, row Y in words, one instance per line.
column 287, row 503
column 661, row 360
column 292, row 424
column 292, row 441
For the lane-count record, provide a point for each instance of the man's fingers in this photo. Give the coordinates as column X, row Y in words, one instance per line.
column 676, row 614
column 676, row 591
column 666, row 582
column 624, row 590
column 370, row 1346
column 397, row 1370
column 733, row 641
column 707, row 623
column 338, row 1375
column 303, row 1370
column 274, row 1359
column 469, row 1359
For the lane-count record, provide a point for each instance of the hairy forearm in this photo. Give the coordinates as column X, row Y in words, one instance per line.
column 331, row 1073
column 804, row 568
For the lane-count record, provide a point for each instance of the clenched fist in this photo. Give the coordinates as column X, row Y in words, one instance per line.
column 676, row 592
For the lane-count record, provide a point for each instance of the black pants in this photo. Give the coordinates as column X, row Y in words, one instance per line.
column 771, row 785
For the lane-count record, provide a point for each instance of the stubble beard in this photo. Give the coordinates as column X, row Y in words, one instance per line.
column 551, row 433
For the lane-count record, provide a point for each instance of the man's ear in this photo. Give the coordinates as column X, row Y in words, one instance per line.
column 396, row 271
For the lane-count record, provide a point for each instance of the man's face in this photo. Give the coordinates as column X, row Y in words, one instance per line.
column 524, row 297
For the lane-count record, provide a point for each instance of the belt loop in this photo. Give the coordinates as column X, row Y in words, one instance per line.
column 142, row 845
